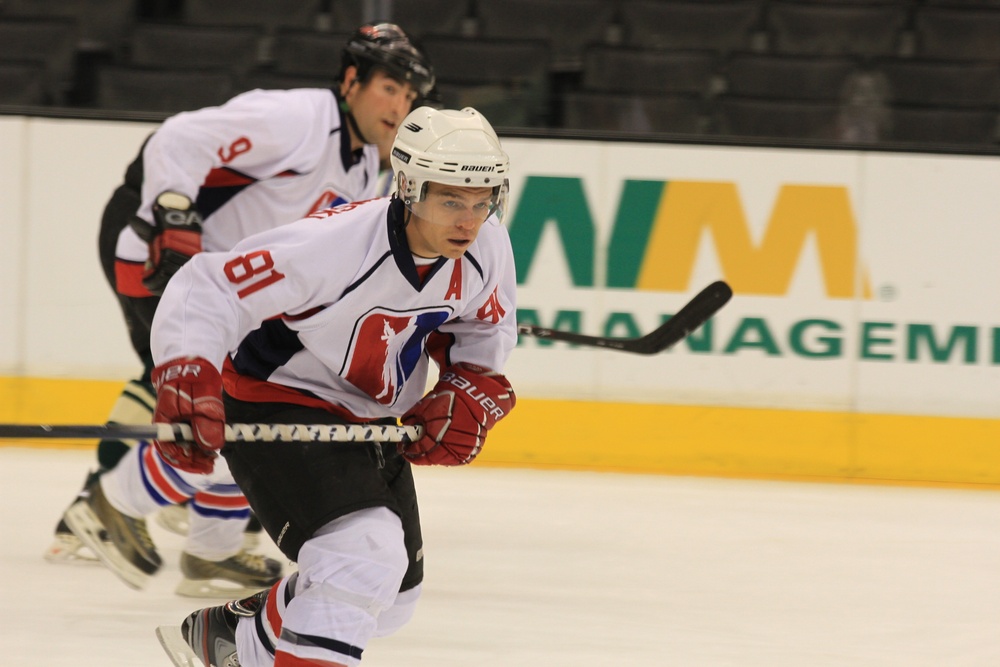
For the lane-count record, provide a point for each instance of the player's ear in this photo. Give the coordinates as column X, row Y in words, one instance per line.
column 350, row 78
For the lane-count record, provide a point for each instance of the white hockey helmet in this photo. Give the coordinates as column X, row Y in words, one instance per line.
column 451, row 147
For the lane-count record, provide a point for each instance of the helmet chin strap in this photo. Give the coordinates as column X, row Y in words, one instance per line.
column 354, row 126
column 345, row 109
column 399, row 226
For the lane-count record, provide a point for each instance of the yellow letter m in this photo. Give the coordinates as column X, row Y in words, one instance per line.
column 688, row 209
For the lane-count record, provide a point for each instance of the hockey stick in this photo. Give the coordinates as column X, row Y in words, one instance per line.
column 694, row 313
column 691, row 316
column 234, row 432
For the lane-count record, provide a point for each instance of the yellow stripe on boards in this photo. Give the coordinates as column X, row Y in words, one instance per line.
column 52, row 401
column 746, row 442
column 661, row 439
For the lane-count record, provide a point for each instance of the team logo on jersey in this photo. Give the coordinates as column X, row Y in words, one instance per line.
column 328, row 199
column 386, row 349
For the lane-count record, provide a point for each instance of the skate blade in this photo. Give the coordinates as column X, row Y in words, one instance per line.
column 88, row 528
column 177, row 649
column 215, row 589
column 69, row 550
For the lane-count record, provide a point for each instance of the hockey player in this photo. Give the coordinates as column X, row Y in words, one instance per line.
column 334, row 319
column 204, row 180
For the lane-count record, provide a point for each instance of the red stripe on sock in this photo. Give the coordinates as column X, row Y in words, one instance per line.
column 209, row 499
column 151, row 463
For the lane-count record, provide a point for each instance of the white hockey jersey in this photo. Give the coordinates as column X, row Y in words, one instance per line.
column 264, row 158
column 330, row 311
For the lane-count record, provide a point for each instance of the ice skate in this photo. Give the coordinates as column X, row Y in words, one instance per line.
column 66, row 548
column 174, row 518
column 240, row 575
column 122, row 543
column 209, row 634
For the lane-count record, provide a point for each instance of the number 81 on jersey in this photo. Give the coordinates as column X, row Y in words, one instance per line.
column 257, row 267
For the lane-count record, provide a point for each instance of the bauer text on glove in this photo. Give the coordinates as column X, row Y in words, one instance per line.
column 456, row 415
column 189, row 391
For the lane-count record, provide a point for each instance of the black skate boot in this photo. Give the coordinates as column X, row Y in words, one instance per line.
column 237, row 575
column 121, row 542
column 211, row 632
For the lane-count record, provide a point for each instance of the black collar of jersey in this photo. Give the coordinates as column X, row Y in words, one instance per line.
column 348, row 156
column 400, row 249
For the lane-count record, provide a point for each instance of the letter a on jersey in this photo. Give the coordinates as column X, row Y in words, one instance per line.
column 386, row 349
column 491, row 311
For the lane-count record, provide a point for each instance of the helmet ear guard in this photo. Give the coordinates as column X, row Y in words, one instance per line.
column 405, row 192
column 450, row 147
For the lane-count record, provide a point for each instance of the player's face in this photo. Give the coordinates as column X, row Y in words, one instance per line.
column 448, row 220
column 379, row 106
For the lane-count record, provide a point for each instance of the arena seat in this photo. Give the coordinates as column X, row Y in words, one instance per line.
column 165, row 90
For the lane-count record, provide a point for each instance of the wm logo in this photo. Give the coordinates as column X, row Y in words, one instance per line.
column 659, row 227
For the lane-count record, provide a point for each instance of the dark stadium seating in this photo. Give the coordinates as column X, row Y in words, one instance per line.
column 843, row 71
column 944, row 83
column 958, row 32
column 505, row 79
column 165, row 90
column 101, row 24
column 835, row 28
column 632, row 70
column 433, row 17
column 567, row 25
column 720, row 25
column 966, row 127
column 636, row 112
column 23, row 82
column 307, row 52
column 776, row 119
column 265, row 13
column 51, row 41
column 178, row 46
column 818, row 78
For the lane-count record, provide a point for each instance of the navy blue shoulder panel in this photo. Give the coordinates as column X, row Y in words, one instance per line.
column 266, row 349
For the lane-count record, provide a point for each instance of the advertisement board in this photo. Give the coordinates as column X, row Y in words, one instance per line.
column 862, row 340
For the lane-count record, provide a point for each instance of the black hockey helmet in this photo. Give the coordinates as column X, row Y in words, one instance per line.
column 385, row 45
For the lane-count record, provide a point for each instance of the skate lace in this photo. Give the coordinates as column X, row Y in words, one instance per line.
column 141, row 532
column 249, row 561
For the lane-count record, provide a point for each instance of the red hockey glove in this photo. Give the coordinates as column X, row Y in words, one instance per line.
column 189, row 391
column 175, row 239
column 456, row 414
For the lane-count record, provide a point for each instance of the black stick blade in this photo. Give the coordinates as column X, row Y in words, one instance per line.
column 694, row 313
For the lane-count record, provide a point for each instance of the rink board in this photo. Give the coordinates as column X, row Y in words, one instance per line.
column 666, row 439
column 862, row 343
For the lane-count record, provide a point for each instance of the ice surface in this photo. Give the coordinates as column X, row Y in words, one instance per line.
column 570, row 569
